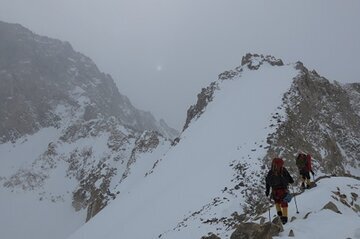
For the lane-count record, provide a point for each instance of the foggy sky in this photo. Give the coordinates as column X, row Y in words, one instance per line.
column 162, row 52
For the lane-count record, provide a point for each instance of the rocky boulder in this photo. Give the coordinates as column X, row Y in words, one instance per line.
column 256, row 231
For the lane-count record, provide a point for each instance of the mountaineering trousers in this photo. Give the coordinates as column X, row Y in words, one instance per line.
column 280, row 204
column 305, row 174
column 278, row 196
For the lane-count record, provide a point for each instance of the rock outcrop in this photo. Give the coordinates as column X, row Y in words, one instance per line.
column 256, row 231
column 323, row 120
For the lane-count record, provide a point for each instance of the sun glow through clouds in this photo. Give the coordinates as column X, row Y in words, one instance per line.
column 159, row 67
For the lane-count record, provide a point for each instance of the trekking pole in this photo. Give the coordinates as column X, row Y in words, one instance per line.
column 297, row 211
column 269, row 210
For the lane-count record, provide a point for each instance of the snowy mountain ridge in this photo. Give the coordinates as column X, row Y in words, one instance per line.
column 214, row 175
column 86, row 163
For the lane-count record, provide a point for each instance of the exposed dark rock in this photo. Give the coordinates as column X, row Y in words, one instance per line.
column 226, row 75
column 93, row 192
column 211, row 236
column 147, row 142
column 354, row 196
column 307, row 215
column 331, row 206
column 204, row 98
column 277, row 221
column 256, row 231
column 321, row 117
column 254, row 61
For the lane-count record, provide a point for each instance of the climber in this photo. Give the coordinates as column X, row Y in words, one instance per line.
column 278, row 178
column 303, row 162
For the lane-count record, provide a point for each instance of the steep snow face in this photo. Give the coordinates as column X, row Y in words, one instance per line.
column 30, row 207
column 209, row 173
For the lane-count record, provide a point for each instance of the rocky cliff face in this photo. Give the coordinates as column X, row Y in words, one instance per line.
column 323, row 120
column 44, row 82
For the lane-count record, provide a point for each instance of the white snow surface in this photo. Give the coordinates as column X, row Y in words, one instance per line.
column 44, row 209
column 324, row 223
column 42, row 213
column 195, row 171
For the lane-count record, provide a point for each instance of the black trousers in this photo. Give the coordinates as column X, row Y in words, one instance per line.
column 305, row 174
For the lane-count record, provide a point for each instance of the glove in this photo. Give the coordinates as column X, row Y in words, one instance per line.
column 267, row 192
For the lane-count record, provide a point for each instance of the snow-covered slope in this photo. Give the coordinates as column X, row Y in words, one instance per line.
column 198, row 179
column 313, row 221
column 47, row 189
column 212, row 179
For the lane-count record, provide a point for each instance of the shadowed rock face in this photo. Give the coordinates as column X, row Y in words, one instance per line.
column 204, row 98
column 43, row 81
column 322, row 119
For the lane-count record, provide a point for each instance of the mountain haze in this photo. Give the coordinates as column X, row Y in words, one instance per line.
column 42, row 78
column 78, row 161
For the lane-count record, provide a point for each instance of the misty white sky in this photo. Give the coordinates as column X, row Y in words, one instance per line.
column 162, row 52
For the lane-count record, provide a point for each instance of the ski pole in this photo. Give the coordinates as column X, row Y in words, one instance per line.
column 297, row 211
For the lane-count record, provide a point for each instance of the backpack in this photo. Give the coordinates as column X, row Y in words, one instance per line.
column 301, row 161
column 278, row 181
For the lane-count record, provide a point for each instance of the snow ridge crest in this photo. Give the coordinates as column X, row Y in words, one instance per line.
column 252, row 62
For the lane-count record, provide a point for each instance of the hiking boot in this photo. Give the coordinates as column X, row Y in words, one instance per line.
column 308, row 186
column 284, row 220
column 279, row 213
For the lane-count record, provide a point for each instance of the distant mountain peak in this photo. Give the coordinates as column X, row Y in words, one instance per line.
column 40, row 75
